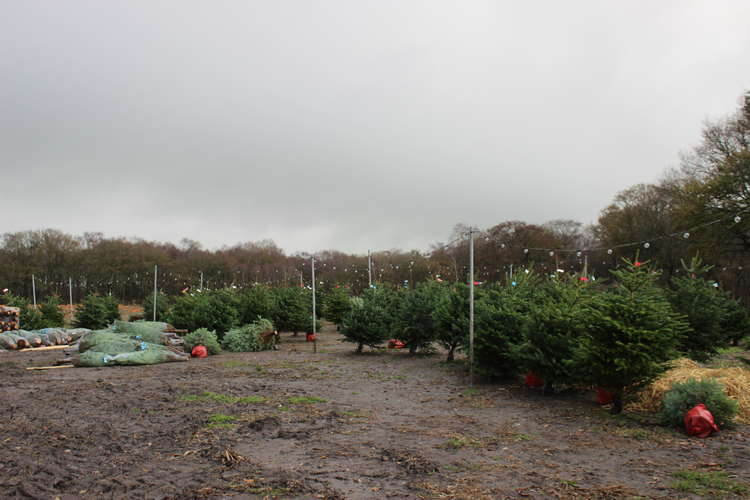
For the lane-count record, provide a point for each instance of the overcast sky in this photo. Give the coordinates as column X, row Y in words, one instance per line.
column 349, row 124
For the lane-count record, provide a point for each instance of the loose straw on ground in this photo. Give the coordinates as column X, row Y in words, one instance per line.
column 736, row 382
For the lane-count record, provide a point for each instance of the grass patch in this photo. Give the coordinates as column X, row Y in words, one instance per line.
column 522, row 437
column 233, row 364
column 454, row 443
column 251, row 399
column 458, row 441
column 306, row 400
column 707, row 483
column 221, row 421
column 220, row 398
column 471, row 392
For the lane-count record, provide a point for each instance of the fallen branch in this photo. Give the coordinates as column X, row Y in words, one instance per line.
column 48, row 367
column 46, row 348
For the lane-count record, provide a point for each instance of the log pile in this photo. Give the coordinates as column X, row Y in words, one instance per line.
column 9, row 318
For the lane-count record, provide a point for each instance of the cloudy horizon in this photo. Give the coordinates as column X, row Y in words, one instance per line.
column 350, row 126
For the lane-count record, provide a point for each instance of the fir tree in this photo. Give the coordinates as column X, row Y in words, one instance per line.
column 93, row 313
column 293, row 311
column 711, row 313
column 554, row 326
column 501, row 316
column 162, row 306
column 631, row 334
column 112, row 306
column 369, row 321
column 255, row 302
column 451, row 318
column 336, row 305
column 415, row 324
column 212, row 310
column 52, row 313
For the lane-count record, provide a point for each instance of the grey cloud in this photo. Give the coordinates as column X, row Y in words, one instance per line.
column 350, row 125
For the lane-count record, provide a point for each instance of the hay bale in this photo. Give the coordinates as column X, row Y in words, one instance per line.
column 736, row 382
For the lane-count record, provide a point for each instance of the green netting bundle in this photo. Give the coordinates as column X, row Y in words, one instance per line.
column 77, row 333
column 149, row 356
column 57, row 336
column 149, row 331
column 8, row 341
column 33, row 338
column 97, row 338
column 249, row 338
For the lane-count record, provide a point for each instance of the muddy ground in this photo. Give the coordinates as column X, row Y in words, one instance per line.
column 294, row 424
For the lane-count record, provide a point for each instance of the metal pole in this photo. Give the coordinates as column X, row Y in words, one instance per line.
column 369, row 268
column 156, row 271
column 586, row 265
column 315, row 340
column 70, row 292
column 33, row 289
column 471, row 306
column 511, row 273
column 201, row 287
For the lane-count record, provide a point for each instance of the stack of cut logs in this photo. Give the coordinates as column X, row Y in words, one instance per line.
column 9, row 318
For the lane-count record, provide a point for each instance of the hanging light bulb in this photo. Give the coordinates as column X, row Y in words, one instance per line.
column 646, row 245
column 578, row 254
column 609, row 252
column 737, row 219
column 686, row 235
column 525, row 250
column 551, row 253
column 502, row 245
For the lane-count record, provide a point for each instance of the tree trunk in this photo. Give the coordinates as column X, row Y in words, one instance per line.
column 359, row 348
column 616, row 402
column 450, row 353
column 412, row 349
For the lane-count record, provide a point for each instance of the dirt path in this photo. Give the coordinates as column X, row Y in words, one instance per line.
column 293, row 424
